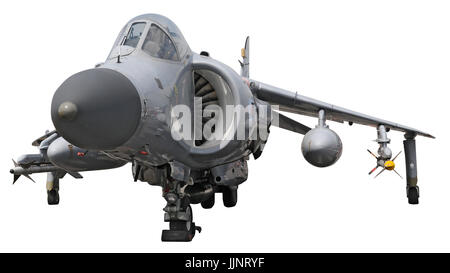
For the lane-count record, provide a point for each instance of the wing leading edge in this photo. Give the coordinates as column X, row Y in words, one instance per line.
column 295, row 103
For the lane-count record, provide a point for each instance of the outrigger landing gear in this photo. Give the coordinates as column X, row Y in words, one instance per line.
column 52, row 188
column 412, row 190
column 180, row 217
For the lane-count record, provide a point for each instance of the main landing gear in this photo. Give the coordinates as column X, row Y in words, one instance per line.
column 229, row 197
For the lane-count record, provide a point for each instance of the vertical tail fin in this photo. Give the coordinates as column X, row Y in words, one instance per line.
column 245, row 54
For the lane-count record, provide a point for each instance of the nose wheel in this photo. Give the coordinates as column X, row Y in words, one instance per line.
column 182, row 229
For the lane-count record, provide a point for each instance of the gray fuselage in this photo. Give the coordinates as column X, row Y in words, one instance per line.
column 127, row 104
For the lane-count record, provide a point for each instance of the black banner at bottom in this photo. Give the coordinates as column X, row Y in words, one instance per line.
column 221, row 262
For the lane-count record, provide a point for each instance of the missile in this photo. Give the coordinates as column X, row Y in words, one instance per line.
column 18, row 170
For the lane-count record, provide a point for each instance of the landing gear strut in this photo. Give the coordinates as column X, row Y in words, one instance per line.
column 412, row 190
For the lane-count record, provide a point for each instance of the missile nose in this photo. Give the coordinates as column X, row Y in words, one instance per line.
column 96, row 109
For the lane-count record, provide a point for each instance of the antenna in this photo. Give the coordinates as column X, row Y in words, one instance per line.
column 120, row 49
column 118, row 56
column 245, row 54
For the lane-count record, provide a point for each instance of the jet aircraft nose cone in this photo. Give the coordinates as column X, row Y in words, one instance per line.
column 96, row 109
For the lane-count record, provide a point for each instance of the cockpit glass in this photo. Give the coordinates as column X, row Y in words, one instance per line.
column 134, row 34
column 159, row 45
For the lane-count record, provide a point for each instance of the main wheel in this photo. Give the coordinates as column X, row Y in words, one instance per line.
column 229, row 196
column 53, row 197
column 413, row 195
column 209, row 203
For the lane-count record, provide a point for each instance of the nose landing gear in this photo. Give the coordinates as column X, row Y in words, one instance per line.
column 182, row 229
column 178, row 213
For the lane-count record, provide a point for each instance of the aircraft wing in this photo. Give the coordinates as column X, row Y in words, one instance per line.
column 295, row 103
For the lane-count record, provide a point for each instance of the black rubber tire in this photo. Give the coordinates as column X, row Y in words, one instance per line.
column 229, row 196
column 413, row 196
column 209, row 203
column 177, row 225
column 53, row 197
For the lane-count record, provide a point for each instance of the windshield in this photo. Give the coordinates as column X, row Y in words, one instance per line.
column 134, row 34
column 159, row 45
column 171, row 29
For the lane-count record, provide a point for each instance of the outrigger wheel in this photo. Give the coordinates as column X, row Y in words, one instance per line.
column 180, row 230
column 53, row 197
column 413, row 195
column 52, row 186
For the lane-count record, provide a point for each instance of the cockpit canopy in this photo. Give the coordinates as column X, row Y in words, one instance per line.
column 155, row 35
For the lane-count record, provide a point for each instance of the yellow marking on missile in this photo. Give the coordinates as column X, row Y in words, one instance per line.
column 389, row 165
column 243, row 52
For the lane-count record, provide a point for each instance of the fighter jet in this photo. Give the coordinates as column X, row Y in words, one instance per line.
column 186, row 122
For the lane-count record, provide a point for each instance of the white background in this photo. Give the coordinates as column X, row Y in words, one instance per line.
column 389, row 59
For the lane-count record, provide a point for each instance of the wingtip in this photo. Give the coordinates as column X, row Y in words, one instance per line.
column 428, row 135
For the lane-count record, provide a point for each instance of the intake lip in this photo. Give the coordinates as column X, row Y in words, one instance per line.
column 96, row 109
